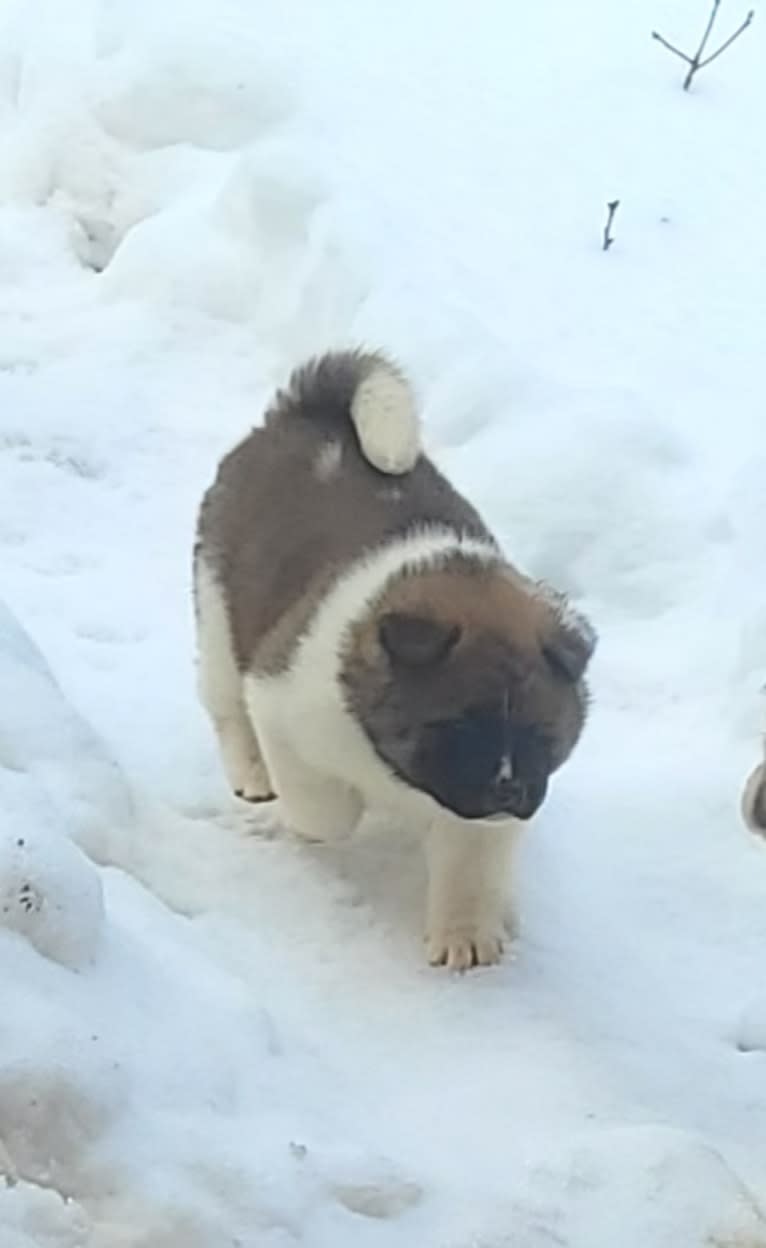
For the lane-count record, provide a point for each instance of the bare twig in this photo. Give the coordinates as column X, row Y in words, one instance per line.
column 696, row 62
column 708, row 28
column 613, row 205
column 665, row 44
column 730, row 40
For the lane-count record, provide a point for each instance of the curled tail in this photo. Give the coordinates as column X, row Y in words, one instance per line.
column 355, row 390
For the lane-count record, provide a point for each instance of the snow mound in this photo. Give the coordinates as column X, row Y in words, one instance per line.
column 32, row 1217
column 161, row 1140
column 49, row 891
column 636, row 1186
column 47, row 745
column 166, row 90
column 258, row 245
column 52, row 1112
column 171, row 154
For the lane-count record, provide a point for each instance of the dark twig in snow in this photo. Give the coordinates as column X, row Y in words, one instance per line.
column 696, row 62
column 613, row 205
column 677, row 51
column 706, row 36
column 729, row 41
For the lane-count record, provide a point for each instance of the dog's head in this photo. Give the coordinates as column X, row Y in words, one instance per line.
column 468, row 682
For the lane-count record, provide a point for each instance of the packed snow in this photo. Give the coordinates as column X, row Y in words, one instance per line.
column 211, row 1034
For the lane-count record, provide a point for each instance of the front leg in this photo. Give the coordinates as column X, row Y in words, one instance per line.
column 468, row 868
column 316, row 806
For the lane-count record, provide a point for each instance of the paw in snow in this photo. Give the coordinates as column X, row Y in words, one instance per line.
column 50, row 894
column 245, row 769
column 460, row 945
column 255, row 793
column 252, row 783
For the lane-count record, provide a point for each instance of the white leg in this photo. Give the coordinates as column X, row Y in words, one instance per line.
column 245, row 769
column 468, row 870
column 317, row 807
column 221, row 693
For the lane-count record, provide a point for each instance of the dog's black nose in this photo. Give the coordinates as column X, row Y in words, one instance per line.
column 507, row 785
column 519, row 797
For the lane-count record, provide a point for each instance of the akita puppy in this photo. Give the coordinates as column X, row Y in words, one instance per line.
column 364, row 644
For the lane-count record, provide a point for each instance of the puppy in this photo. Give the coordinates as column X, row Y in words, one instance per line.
column 363, row 643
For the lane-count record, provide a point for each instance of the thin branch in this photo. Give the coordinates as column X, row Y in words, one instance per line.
column 696, row 62
column 730, row 40
column 706, row 36
column 677, row 51
column 613, row 205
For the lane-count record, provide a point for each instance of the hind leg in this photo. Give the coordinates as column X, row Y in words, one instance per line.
column 221, row 692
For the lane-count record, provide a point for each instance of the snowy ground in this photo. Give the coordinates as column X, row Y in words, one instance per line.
column 217, row 1037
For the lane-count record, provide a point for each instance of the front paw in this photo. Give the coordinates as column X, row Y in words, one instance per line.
column 460, row 944
column 252, row 782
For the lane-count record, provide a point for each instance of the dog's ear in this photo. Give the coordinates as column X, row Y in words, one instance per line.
column 416, row 640
column 569, row 639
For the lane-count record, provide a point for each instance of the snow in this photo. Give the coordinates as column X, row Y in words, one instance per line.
column 49, row 892
column 50, row 755
column 213, row 1035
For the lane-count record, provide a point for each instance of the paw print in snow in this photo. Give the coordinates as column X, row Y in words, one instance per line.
column 29, row 899
column 51, row 895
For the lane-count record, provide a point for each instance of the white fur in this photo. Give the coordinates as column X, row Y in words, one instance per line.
column 505, row 770
column 220, row 689
column 386, row 421
column 316, row 806
column 325, row 769
column 467, row 877
column 328, row 461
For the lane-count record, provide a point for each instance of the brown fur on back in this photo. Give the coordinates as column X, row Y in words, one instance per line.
column 295, row 503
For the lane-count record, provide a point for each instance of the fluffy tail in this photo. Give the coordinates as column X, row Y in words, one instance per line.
column 362, row 391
